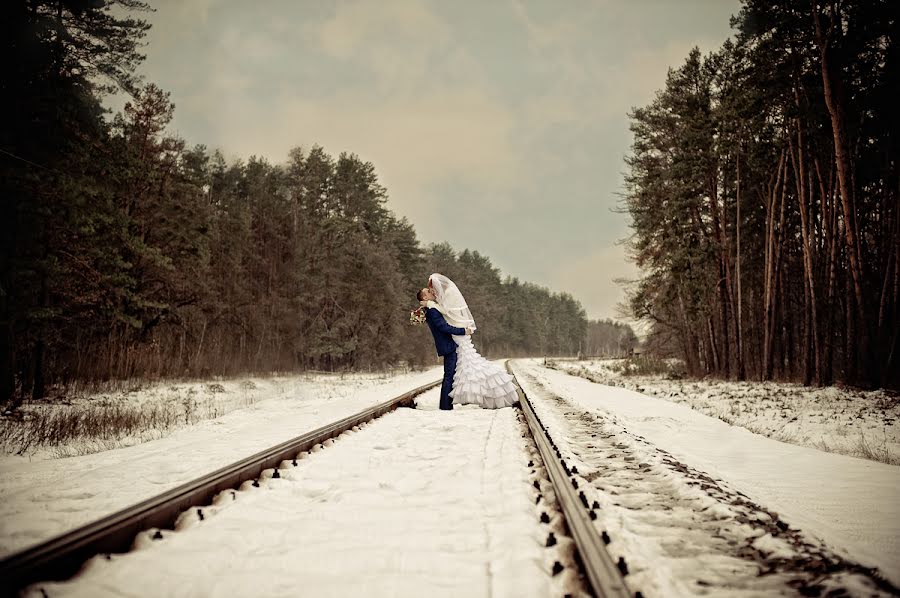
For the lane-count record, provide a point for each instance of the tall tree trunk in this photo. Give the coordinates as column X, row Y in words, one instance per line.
column 850, row 340
column 38, row 387
column 8, row 394
column 807, row 340
column 887, row 322
column 831, row 223
column 773, row 265
column 834, row 103
column 812, row 364
column 724, row 284
column 713, row 361
column 693, row 354
column 739, row 332
column 7, row 362
column 786, row 340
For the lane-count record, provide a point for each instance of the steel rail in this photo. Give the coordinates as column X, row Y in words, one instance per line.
column 603, row 574
column 61, row 557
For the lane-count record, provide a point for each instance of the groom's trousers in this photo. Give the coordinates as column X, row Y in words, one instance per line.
column 447, row 386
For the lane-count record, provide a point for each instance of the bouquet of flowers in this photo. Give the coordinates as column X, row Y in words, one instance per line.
column 417, row 316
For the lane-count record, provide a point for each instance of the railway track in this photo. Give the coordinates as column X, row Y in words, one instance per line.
column 605, row 577
column 61, row 557
column 682, row 530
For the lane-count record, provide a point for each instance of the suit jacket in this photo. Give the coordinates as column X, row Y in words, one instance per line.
column 442, row 331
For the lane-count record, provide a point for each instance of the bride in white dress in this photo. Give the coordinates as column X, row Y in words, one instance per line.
column 476, row 380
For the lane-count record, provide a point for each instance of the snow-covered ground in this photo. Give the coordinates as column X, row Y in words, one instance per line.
column 851, row 422
column 418, row 502
column 445, row 501
column 42, row 496
column 698, row 506
column 132, row 412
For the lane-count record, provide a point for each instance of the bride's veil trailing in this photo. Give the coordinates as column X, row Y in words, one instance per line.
column 455, row 309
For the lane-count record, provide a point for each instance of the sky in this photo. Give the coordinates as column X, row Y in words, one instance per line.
column 499, row 126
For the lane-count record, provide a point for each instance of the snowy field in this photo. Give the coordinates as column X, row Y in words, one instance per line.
column 838, row 420
column 418, row 502
column 698, row 506
column 132, row 412
column 42, row 495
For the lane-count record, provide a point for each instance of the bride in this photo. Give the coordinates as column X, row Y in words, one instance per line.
column 476, row 380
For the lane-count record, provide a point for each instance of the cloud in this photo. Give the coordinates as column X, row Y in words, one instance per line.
column 180, row 15
column 395, row 40
column 460, row 135
column 355, row 27
column 552, row 34
column 496, row 126
column 421, row 108
column 592, row 278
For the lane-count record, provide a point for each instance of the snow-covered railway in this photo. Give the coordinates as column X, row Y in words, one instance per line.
column 423, row 499
column 682, row 531
column 61, row 557
column 554, row 498
column 604, row 576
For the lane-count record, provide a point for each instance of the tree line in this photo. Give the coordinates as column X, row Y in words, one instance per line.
column 128, row 253
column 764, row 197
column 608, row 338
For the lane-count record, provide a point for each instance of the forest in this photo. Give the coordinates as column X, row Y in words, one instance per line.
column 608, row 338
column 128, row 253
column 764, row 198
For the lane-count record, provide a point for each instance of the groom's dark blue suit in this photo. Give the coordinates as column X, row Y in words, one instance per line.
column 446, row 347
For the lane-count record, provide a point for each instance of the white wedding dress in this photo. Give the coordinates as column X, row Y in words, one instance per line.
column 476, row 380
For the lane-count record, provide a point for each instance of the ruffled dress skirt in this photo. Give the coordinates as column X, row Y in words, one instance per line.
column 479, row 381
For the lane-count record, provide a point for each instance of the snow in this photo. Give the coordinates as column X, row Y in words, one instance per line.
column 851, row 505
column 42, row 496
column 418, row 499
column 169, row 405
column 771, row 546
column 840, row 420
column 445, row 501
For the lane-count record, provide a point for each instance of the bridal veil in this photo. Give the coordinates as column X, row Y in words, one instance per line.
column 456, row 311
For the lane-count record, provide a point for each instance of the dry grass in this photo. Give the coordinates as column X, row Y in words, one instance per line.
column 88, row 418
column 92, row 426
column 876, row 452
column 644, row 365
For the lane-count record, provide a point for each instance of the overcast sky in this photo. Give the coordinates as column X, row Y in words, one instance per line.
column 497, row 125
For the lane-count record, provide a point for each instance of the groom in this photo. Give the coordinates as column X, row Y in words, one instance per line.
column 445, row 345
